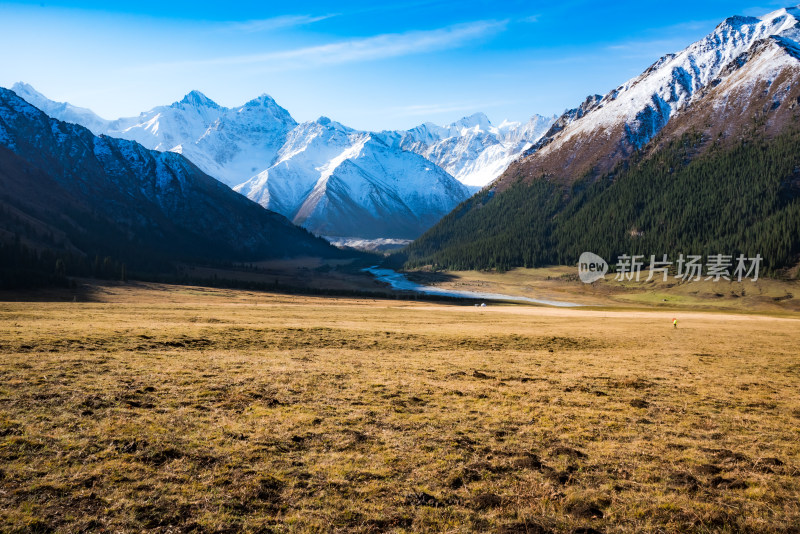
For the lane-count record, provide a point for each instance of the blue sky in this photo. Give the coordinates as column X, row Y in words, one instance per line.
column 366, row 64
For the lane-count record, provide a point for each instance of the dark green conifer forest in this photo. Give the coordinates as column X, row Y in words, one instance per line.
column 694, row 196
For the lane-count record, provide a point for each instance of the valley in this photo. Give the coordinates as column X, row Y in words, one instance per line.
column 228, row 318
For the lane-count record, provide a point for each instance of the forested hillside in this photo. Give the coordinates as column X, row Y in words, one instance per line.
column 693, row 196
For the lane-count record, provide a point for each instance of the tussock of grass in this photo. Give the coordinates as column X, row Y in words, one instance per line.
column 292, row 414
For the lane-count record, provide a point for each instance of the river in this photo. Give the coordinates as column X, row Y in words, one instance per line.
column 400, row 282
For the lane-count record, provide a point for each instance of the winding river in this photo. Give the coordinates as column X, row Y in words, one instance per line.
column 400, row 282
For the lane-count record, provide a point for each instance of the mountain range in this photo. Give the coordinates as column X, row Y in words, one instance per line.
column 331, row 179
column 71, row 194
column 472, row 150
column 699, row 153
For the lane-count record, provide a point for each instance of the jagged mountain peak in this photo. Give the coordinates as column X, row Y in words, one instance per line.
column 601, row 132
column 738, row 21
column 265, row 112
column 259, row 148
column 60, row 110
column 709, row 127
column 672, row 82
column 471, row 149
column 262, row 100
column 476, row 119
column 197, row 99
column 331, row 124
column 792, row 11
column 337, row 181
column 25, row 88
column 142, row 206
column 34, row 97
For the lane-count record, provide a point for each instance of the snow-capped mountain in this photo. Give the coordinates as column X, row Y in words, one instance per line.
column 604, row 130
column 67, row 189
column 331, row 179
column 62, row 111
column 341, row 182
column 230, row 144
column 234, row 145
column 472, row 150
column 714, row 131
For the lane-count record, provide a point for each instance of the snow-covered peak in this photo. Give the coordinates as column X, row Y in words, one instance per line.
column 318, row 140
column 197, row 99
column 279, row 163
column 508, row 125
column 479, row 120
column 263, row 100
column 471, row 149
column 60, row 110
column 261, row 114
column 27, row 92
column 749, row 57
column 332, row 125
column 786, row 11
column 343, row 182
column 35, row 98
column 646, row 103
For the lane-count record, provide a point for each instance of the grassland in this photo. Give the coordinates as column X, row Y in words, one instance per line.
column 766, row 295
column 179, row 409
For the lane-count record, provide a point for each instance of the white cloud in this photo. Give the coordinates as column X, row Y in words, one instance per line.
column 274, row 23
column 644, row 46
column 363, row 49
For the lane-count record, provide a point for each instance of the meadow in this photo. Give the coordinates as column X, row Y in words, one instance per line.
column 154, row 408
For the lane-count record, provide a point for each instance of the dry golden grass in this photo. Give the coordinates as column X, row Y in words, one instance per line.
column 766, row 295
column 170, row 409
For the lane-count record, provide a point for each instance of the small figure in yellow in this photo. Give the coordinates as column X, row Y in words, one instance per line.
column 675, row 322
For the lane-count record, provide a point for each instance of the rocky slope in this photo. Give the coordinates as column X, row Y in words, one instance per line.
column 65, row 189
column 472, row 150
column 594, row 137
column 699, row 151
column 308, row 171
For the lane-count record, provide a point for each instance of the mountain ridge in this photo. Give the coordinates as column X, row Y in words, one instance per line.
column 112, row 197
column 645, row 167
column 244, row 146
column 626, row 118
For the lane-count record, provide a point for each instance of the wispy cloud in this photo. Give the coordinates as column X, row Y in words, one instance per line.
column 644, row 46
column 362, row 49
column 275, row 23
column 405, row 6
column 691, row 26
column 680, row 36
